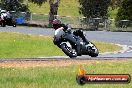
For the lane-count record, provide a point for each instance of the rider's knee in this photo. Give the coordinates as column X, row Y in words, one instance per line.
column 78, row 32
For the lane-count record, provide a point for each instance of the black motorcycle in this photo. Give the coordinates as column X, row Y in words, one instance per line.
column 69, row 44
column 7, row 21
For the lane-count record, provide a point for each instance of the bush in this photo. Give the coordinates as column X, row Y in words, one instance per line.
column 124, row 13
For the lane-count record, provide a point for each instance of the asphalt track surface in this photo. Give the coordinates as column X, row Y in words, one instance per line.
column 122, row 38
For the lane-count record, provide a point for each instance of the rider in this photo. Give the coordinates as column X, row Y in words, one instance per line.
column 57, row 24
column 9, row 18
column 3, row 14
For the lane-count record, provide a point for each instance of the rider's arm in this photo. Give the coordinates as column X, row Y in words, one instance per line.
column 64, row 26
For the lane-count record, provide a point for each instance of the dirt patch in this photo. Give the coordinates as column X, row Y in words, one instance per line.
column 59, row 63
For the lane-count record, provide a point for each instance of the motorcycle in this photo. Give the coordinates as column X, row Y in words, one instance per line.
column 69, row 42
column 7, row 21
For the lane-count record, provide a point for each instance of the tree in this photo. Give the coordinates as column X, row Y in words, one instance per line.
column 54, row 4
column 124, row 12
column 115, row 3
column 94, row 8
column 53, row 10
column 13, row 5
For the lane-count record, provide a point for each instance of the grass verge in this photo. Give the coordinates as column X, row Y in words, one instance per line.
column 66, row 8
column 62, row 76
column 15, row 45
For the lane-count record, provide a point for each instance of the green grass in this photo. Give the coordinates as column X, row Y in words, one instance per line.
column 62, row 77
column 107, row 47
column 15, row 45
column 66, row 8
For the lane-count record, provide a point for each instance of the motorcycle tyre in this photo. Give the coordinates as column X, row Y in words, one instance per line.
column 66, row 51
column 93, row 53
column 3, row 24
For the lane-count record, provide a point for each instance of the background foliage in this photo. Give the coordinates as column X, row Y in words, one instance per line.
column 14, row 5
column 94, row 8
column 124, row 12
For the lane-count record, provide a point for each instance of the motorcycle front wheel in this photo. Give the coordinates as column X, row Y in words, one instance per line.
column 92, row 50
column 69, row 51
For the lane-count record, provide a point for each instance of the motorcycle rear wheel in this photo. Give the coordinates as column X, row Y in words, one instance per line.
column 69, row 51
column 3, row 24
column 14, row 25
